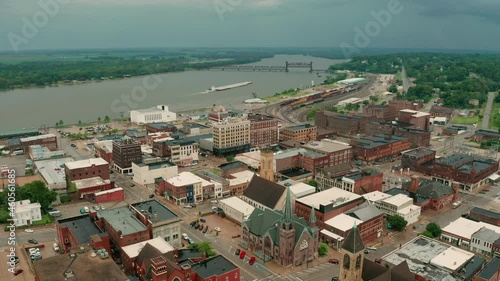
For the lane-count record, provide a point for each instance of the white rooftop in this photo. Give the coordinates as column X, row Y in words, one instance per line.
column 26, row 206
column 252, row 158
column 39, row 137
column 159, row 243
column 464, row 228
column 52, row 172
column 408, row 210
column 301, row 189
column 187, row 178
column 108, row 191
column 332, row 235
column 416, row 113
column 90, row 182
column 440, row 119
column 86, row 163
column 106, row 145
column 375, row 196
column 334, row 196
column 343, row 222
column 239, row 205
column 327, row 145
column 241, row 177
column 398, row 200
column 289, row 153
column 452, row 258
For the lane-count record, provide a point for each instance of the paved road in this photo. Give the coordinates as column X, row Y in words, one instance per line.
column 406, row 81
column 46, row 234
column 487, row 111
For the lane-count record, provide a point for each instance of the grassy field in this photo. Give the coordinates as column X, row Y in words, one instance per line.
column 494, row 117
column 465, row 120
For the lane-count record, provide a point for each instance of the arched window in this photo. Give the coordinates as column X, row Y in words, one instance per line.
column 176, row 279
column 267, row 242
column 358, row 262
column 347, row 261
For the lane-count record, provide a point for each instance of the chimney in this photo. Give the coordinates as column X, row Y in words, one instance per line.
column 158, row 269
column 414, row 184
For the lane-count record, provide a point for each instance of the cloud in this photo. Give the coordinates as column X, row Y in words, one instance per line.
column 487, row 10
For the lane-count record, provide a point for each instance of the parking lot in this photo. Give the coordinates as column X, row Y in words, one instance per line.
column 18, row 163
column 228, row 228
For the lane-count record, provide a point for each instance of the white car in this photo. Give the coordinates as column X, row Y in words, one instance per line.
column 55, row 247
column 217, row 229
column 33, row 251
column 28, row 230
column 185, row 236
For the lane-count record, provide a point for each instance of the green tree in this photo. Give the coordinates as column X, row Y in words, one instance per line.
column 397, row 222
column 121, row 116
column 80, row 122
column 366, row 102
column 61, row 122
column 427, row 234
column 434, row 229
column 203, row 247
column 322, row 249
column 99, row 119
column 36, row 191
column 312, row 183
column 107, row 119
column 374, row 98
column 230, row 158
column 393, row 88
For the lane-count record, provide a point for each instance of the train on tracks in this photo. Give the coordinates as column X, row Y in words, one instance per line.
column 319, row 97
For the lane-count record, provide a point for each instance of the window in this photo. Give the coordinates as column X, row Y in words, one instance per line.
column 176, row 236
column 347, row 261
column 358, row 262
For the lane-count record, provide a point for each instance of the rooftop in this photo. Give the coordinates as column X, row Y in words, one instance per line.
column 356, row 175
column 377, row 140
column 265, row 192
column 161, row 125
column 487, row 132
column 289, row 153
column 327, row 145
column 420, row 254
column 440, row 109
column 214, row 266
column 419, row 152
column 84, row 267
column 39, row 137
column 485, row 234
column 296, row 172
column 86, row 163
column 82, row 227
column 343, row 222
column 416, row 113
column 53, row 170
column 106, row 145
column 90, row 182
column 490, row 269
column 232, row 165
column 17, row 133
column 300, row 127
column 239, row 205
column 122, row 219
column 187, row 178
column 159, row 243
column 485, row 212
column 463, row 227
column 156, row 165
column 195, row 125
column 333, row 197
column 364, row 212
column 398, row 200
column 156, row 210
column 375, row 196
column 241, row 177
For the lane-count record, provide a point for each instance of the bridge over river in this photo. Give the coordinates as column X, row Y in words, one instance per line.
column 270, row 68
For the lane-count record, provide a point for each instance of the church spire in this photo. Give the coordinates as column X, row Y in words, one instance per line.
column 312, row 218
column 353, row 242
column 288, row 207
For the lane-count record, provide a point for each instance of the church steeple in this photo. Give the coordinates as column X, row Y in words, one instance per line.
column 352, row 257
column 312, row 219
column 353, row 243
column 287, row 216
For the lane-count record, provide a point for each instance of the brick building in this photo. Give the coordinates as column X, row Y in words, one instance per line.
column 380, row 112
column 160, row 127
column 232, row 167
column 264, row 130
column 490, row 272
column 195, row 129
column 48, row 140
column 328, row 204
column 439, row 111
column 81, row 230
column 485, row 135
column 87, row 188
column 123, row 227
column 417, row 138
column 395, row 106
column 85, row 169
column 301, row 158
column 418, row 159
column 429, row 194
column 359, row 182
column 305, row 132
column 126, row 151
column 454, row 130
column 467, row 171
column 420, row 120
column 485, row 216
column 338, row 152
column 104, row 149
column 378, row 147
column 186, row 188
column 340, row 124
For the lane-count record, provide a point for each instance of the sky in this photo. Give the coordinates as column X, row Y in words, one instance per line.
column 407, row 24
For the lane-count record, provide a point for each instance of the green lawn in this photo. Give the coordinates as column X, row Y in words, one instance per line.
column 465, row 120
column 494, row 117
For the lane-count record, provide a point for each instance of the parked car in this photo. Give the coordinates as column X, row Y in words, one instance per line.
column 18, row 271
column 378, row 260
column 28, row 230
column 82, row 211
column 334, row 261
column 192, row 223
column 242, row 255
column 236, row 236
column 87, row 210
column 218, row 229
column 16, row 260
column 97, row 208
column 203, row 220
column 185, row 236
column 193, row 205
column 73, row 145
column 237, row 252
column 33, row 251
column 188, row 206
column 200, row 227
column 195, row 226
column 251, row 261
column 55, row 247
column 151, row 195
column 366, row 251
column 335, row 278
column 33, row 241
column 372, row 248
column 205, row 229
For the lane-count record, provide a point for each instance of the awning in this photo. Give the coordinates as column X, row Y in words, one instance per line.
column 494, row 177
column 331, row 235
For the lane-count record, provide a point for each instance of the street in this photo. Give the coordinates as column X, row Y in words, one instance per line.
column 487, row 111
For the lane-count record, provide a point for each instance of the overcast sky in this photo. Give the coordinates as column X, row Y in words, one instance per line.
column 82, row 24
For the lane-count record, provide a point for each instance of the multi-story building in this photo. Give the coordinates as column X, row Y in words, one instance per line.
column 439, row 111
column 428, row 194
column 161, row 221
column 395, row 106
column 236, row 209
column 146, row 173
column 338, row 152
column 328, row 204
column 38, row 152
column 486, row 216
column 485, row 135
column 359, row 182
column 81, row 230
column 380, row 112
column 156, row 114
column 125, row 152
column 301, row 158
column 482, row 240
column 123, row 226
column 417, row 138
column 469, row 172
column 264, row 194
column 231, row 136
column 420, row 120
column 87, row 188
column 104, row 149
column 490, row 271
column 194, row 129
column 264, row 130
column 48, row 140
column 186, row 187
column 160, row 127
column 85, row 169
column 340, row 124
column 25, row 212
column 181, row 152
column 418, row 159
column 399, row 204
column 232, row 167
column 378, row 147
column 476, row 236
column 305, row 132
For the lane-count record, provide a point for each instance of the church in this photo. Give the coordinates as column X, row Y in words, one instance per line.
column 281, row 236
column 355, row 267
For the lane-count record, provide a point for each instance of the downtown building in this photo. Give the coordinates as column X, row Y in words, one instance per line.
column 264, row 130
column 231, row 137
column 125, row 152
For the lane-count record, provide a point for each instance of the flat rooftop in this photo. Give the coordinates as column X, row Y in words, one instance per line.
column 398, row 200
column 419, row 254
column 86, row 163
column 155, row 165
column 239, row 205
column 463, row 227
column 122, row 219
column 378, row 140
column 84, row 267
column 300, row 127
column 241, row 177
column 333, row 196
column 39, row 137
column 416, row 113
column 485, row 212
column 419, row 152
column 156, row 210
column 82, row 227
column 161, row 125
column 232, row 165
column 375, row 196
column 195, row 125
column 343, row 222
column 490, row 269
column 52, row 171
column 90, row 182
column 186, row 178
column 159, row 243
column 214, row 266
column 18, row 133
column 327, row 145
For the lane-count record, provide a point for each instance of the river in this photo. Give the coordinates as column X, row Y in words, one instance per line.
column 28, row 108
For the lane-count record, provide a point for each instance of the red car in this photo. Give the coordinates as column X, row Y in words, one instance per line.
column 251, row 261
column 18, row 271
column 334, row 261
column 242, row 255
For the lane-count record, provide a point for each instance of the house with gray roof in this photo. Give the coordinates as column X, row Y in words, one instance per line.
column 482, row 241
